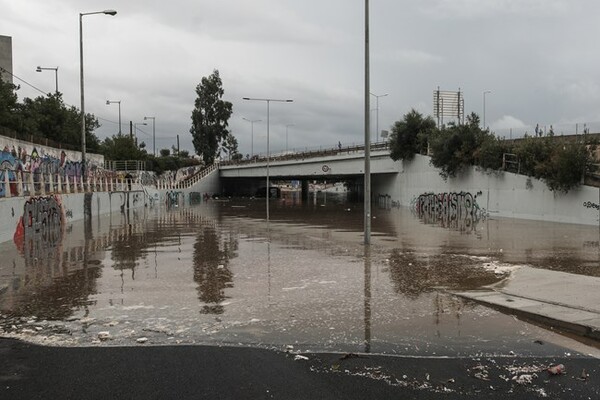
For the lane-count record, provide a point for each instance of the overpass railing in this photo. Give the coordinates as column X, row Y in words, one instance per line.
column 302, row 155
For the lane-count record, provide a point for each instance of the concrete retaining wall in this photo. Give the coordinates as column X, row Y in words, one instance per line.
column 417, row 184
column 35, row 215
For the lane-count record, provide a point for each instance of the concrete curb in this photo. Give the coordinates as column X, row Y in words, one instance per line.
column 581, row 322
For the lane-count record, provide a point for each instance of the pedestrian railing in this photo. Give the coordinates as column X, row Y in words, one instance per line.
column 25, row 183
column 188, row 181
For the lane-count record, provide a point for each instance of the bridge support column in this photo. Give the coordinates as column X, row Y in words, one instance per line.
column 304, row 189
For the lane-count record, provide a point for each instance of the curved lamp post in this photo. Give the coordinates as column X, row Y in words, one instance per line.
column 252, row 134
column 81, row 15
column 55, row 69
column 377, row 108
column 484, row 93
column 108, row 102
column 153, row 134
column 268, row 101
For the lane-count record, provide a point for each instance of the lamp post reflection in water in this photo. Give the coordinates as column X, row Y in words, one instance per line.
column 367, row 299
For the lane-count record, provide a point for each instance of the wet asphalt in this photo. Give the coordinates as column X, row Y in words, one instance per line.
column 29, row 371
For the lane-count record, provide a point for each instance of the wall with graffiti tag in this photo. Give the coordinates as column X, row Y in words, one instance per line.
column 477, row 194
column 20, row 216
column 20, row 156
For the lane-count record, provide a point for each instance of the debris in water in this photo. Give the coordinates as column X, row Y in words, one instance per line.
column 584, row 375
column 349, row 355
column 556, row 369
column 524, row 379
column 298, row 357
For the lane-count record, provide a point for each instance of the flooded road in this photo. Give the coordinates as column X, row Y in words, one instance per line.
column 218, row 274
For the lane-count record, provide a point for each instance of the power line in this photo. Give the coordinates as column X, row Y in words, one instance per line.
column 24, row 81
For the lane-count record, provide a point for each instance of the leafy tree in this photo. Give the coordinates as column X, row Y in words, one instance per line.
column 410, row 136
column 532, row 152
column 230, row 146
column 458, row 146
column 165, row 152
column 121, row 147
column 559, row 163
column 210, row 117
column 566, row 166
column 47, row 117
column 9, row 106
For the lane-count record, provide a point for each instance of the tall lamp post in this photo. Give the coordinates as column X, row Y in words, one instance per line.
column 40, row 69
column 153, row 134
column 377, row 108
column 286, row 136
column 484, row 93
column 108, row 102
column 252, row 134
column 135, row 125
column 268, row 101
column 81, row 15
column 367, row 179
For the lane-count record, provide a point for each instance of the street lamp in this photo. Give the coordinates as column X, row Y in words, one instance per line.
column 40, row 69
column 367, row 179
column 252, row 134
column 108, row 102
column 153, row 134
column 135, row 124
column 107, row 12
column 286, row 136
column 268, row 101
column 377, row 108
column 484, row 93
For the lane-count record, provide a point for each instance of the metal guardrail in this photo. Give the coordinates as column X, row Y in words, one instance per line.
column 188, row 181
column 26, row 184
column 321, row 152
column 127, row 165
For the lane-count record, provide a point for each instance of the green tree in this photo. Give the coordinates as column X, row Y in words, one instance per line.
column 533, row 152
column 458, row 146
column 210, row 117
column 121, row 148
column 565, row 168
column 559, row 163
column 230, row 146
column 410, row 136
column 45, row 117
column 9, row 106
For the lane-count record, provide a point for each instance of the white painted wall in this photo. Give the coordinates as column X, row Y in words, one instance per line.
column 502, row 194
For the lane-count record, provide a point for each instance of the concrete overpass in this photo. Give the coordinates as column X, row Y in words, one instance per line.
column 345, row 164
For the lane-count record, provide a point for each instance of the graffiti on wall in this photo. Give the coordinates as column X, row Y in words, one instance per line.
column 40, row 229
column 39, row 162
column 458, row 210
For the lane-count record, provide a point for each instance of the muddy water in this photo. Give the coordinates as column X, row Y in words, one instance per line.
column 217, row 273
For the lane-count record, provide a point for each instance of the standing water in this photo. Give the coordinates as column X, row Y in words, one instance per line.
column 217, row 273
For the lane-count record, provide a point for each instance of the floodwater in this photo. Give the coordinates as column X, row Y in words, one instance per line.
column 217, row 273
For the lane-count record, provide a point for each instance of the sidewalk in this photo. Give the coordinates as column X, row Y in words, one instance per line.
column 567, row 301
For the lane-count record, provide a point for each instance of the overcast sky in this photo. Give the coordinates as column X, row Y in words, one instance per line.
column 539, row 59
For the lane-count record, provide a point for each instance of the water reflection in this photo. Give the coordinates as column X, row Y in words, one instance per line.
column 367, row 299
column 217, row 273
column 413, row 274
column 212, row 254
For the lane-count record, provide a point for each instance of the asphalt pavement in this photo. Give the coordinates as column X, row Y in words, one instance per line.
column 30, row 371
